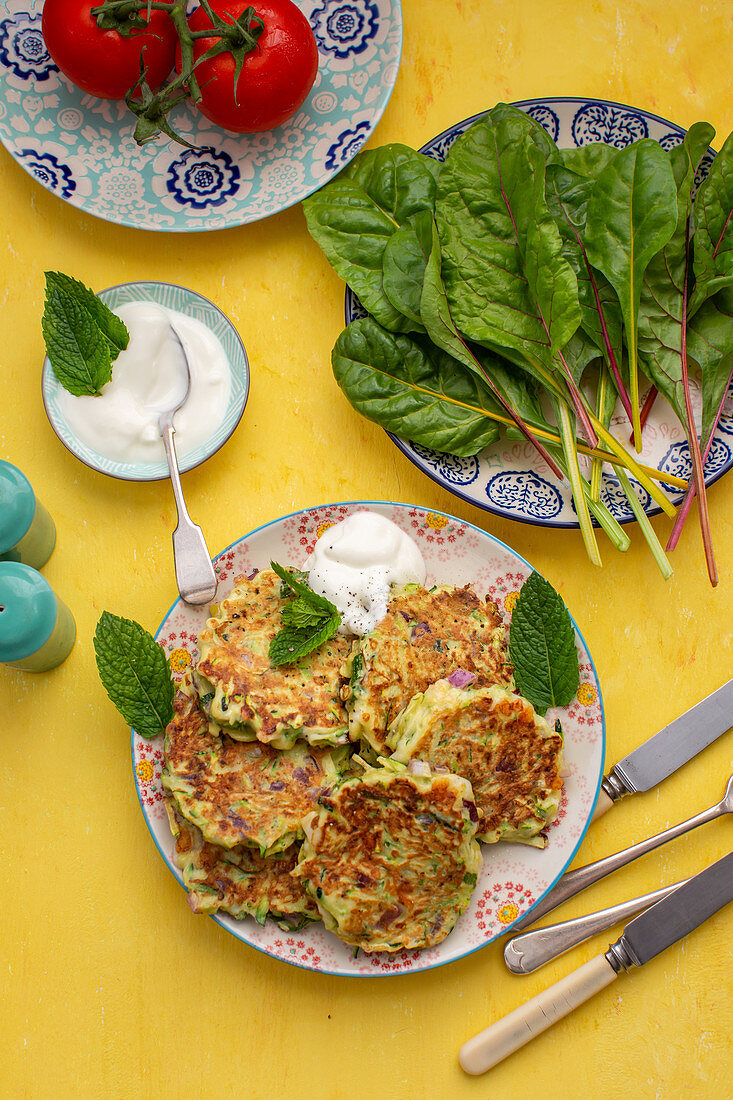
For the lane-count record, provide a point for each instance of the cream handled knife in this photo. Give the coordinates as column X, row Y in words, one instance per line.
column 669, row 749
column 645, row 937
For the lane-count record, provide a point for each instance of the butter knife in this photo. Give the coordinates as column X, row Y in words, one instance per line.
column 657, row 928
column 669, row 749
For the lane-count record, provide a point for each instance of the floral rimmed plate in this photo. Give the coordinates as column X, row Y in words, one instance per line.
column 509, row 478
column 82, row 149
column 513, row 877
column 180, row 300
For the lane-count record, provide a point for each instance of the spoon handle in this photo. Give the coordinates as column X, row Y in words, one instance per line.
column 575, row 881
column 195, row 574
column 528, row 952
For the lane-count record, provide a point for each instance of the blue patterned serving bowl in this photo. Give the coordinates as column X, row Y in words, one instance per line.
column 509, row 479
column 194, row 305
column 82, row 148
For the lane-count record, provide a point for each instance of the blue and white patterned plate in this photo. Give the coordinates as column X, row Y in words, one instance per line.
column 194, row 305
column 509, row 479
column 82, row 149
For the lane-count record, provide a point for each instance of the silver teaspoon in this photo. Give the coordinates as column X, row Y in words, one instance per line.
column 575, row 881
column 195, row 574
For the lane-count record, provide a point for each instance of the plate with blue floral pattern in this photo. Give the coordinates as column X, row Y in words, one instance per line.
column 82, row 148
column 509, row 479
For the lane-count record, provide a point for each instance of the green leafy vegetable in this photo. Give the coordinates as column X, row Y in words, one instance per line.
column 354, row 218
column 542, row 646
column 632, row 213
column 309, row 620
column 83, row 336
column 713, row 263
column 413, row 389
column 533, row 283
column 135, row 673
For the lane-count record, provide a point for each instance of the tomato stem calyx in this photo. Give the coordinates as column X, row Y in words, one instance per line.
column 238, row 37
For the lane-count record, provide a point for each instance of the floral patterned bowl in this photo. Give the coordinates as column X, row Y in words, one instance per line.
column 509, row 478
column 181, row 300
column 514, row 877
column 82, row 149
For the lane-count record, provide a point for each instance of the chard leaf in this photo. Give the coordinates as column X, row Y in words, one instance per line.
column 589, row 160
column 568, row 193
column 632, row 213
column 542, row 646
column 353, row 218
column 507, row 282
column 662, row 299
column 135, row 673
column 403, row 265
column 413, row 389
column 713, row 220
column 710, row 344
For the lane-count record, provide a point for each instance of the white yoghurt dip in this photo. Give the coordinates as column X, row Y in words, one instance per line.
column 354, row 563
column 148, row 377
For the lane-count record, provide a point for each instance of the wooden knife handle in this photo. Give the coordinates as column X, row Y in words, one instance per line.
column 603, row 805
column 518, row 1027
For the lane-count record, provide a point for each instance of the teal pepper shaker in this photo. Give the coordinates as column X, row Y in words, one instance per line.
column 27, row 532
column 37, row 630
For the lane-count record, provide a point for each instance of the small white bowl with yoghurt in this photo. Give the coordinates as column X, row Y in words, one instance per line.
column 117, row 433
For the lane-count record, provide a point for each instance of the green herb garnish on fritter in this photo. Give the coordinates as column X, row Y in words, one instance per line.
column 308, row 620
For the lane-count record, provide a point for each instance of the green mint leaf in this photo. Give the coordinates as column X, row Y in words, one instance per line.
column 81, row 334
column 135, row 673
column 309, row 620
column 542, row 646
column 300, row 588
column 300, row 615
column 290, row 645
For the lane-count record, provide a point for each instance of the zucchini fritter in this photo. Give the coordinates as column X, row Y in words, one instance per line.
column 390, row 858
column 425, row 636
column 496, row 740
column 239, row 881
column 241, row 792
column 244, row 693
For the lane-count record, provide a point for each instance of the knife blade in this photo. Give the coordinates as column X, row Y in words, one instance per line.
column 645, row 937
column 669, row 749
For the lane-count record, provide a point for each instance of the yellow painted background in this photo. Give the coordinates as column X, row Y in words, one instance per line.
column 109, row 986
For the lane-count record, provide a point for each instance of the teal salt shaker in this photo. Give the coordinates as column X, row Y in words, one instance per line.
column 37, row 630
column 27, row 532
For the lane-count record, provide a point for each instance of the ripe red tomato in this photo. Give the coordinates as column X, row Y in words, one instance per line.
column 275, row 78
column 104, row 63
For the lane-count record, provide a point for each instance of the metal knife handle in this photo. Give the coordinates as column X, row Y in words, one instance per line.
column 574, row 881
column 513, row 1031
column 195, row 574
column 528, row 952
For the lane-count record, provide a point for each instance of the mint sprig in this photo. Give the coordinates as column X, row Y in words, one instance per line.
column 309, row 620
column 135, row 673
column 542, row 646
column 83, row 336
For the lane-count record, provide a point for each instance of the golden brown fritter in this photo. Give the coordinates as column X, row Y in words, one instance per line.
column 390, row 858
column 425, row 636
column 241, row 792
column 239, row 881
column 497, row 741
column 242, row 691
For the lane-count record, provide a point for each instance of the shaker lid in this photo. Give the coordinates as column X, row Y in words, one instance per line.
column 27, row 611
column 17, row 505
